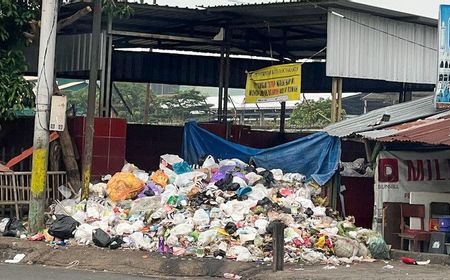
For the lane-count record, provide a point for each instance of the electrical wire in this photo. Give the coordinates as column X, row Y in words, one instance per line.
column 43, row 72
column 334, row 13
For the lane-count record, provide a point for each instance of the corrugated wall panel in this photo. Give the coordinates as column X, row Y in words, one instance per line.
column 73, row 53
column 355, row 50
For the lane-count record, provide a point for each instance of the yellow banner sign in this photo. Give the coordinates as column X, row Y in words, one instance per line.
column 275, row 83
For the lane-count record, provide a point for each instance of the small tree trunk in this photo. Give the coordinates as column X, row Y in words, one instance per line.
column 70, row 162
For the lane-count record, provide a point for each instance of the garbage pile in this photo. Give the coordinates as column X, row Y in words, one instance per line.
column 221, row 209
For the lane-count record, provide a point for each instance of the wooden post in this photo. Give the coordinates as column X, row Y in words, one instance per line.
column 339, row 103
column 278, row 246
column 89, row 136
column 333, row 99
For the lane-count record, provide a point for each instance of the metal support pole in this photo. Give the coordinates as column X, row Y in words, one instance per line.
column 339, row 103
column 46, row 66
column 89, row 133
column 221, row 75
column 225, row 92
column 107, row 69
column 278, row 246
column 283, row 116
column 333, row 99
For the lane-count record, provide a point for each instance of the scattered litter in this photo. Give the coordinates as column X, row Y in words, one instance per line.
column 72, row 264
column 388, row 266
column 231, row 276
column 17, row 258
column 329, row 267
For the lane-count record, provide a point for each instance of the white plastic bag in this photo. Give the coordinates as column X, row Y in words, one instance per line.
column 205, row 238
column 83, row 234
column 123, row 228
column 277, row 174
column 258, row 192
column 209, row 163
column 201, row 218
column 181, row 229
column 247, row 234
column 138, row 240
column 252, row 178
column 261, row 225
column 240, row 253
column 3, row 224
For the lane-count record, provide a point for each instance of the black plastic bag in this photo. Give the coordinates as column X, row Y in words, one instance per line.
column 225, row 182
column 63, row 227
column 101, row 238
column 230, row 228
column 13, row 227
column 267, row 178
column 116, row 242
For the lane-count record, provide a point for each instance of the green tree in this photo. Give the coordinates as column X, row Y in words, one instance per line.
column 181, row 107
column 312, row 114
column 15, row 91
column 168, row 108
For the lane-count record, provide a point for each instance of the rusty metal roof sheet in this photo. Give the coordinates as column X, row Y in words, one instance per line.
column 433, row 130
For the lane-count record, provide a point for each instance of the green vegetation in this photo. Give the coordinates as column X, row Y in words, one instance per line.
column 312, row 114
column 15, row 92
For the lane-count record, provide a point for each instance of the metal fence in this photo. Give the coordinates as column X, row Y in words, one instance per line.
column 15, row 188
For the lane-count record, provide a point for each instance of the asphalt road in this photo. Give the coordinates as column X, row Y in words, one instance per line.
column 37, row 272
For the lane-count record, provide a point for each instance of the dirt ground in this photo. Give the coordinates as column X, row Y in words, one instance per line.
column 152, row 264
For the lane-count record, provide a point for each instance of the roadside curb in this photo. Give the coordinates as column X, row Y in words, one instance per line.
column 126, row 261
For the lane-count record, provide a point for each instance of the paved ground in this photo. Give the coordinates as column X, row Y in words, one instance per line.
column 127, row 262
column 38, row 272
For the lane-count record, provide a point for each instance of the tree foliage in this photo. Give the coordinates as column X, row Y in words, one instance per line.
column 174, row 108
column 15, row 91
column 312, row 114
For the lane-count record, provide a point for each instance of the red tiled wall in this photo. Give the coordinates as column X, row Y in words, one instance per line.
column 108, row 151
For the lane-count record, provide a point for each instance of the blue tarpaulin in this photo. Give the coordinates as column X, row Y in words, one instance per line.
column 316, row 155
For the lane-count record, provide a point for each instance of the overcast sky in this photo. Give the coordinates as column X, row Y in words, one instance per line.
column 428, row 8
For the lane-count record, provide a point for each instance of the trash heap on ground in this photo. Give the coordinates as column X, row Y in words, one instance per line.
column 224, row 209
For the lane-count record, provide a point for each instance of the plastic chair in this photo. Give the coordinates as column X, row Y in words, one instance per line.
column 416, row 235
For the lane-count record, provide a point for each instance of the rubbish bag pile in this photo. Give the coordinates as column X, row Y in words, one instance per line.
column 220, row 209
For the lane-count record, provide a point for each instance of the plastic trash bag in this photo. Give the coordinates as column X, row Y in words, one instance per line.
column 182, row 167
column 346, row 247
column 277, row 174
column 138, row 240
column 378, row 248
column 169, row 160
column 247, row 234
column 3, row 224
column 144, row 205
column 63, row 227
column 124, row 186
column 100, row 238
column 240, row 253
column 124, row 228
column 181, row 229
column 312, row 257
column 207, row 237
column 209, row 163
column 201, row 218
column 159, row 178
column 258, row 192
column 13, row 228
column 83, row 234
column 261, row 225
column 98, row 190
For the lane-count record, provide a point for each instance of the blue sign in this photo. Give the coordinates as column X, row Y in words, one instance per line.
column 442, row 93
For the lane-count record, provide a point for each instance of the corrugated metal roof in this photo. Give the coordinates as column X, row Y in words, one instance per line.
column 435, row 131
column 399, row 113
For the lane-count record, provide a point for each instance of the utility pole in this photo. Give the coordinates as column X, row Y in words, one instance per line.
column 46, row 63
column 93, row 75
